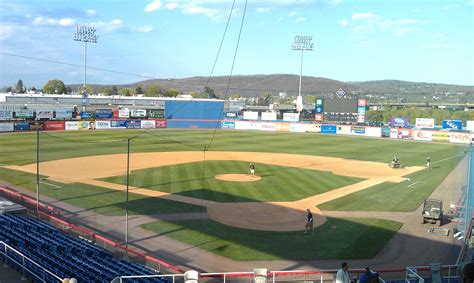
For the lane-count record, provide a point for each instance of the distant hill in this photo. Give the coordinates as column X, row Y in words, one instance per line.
column 253, row 85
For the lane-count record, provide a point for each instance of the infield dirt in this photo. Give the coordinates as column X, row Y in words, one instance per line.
column 270, row 216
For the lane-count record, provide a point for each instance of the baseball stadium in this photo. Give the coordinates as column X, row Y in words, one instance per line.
column 170, row 196
column 188, row 141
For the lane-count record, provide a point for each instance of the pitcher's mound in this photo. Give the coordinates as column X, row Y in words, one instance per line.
column 238, row 178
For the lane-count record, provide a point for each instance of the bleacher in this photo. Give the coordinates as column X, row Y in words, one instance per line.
column 63, row 255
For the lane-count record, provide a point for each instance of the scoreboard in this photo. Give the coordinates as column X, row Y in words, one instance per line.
column 340, row 110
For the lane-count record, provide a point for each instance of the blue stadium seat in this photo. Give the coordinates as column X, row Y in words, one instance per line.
column 63, row 255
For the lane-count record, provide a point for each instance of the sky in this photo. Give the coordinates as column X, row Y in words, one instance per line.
column 413, row 40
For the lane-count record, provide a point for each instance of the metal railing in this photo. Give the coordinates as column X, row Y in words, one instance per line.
column 7, row 252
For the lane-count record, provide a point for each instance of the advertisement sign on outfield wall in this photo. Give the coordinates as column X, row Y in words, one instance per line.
column 102, row 125
column 282, row 127
column 138, row 113
column 228, row 125
column 24, row 114
column 63, row 114
column 147, row 124
column 394, row 133
column 72, row 125
column 459, row 137
column 86, row 115
column 269, row 116
column 373, row 132
column 328, row 129
column 420, row 135
column 250, row 115
column 21, row 126
column 452, row 124
column 86, row 125
column 134, row 124
column 399, row 122
column 470, row 126
column 118, row 124
column 124, row 113
column 440, row 136
column 291, row 117
column 6, row 114
column 104, row 113
column 160, row 124
column 6, row 127
column 54, row 125
column 425, row 123
column 44, row 114
column 358, row 130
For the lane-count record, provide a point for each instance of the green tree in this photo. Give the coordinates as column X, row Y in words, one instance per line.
column 90, row 89
column 139, row 90
column 114, row 90
column 54, row 87
column 210, row 92
column 152, row 91
column 125, row 91
column 19, row 86
column 171, row 92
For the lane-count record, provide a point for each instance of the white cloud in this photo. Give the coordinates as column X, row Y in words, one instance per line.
column 334, row 2
column 108, row 26
column 198, row 10
column 292, row 14
column 153, row 6
column 450, row 6
column 301, row 19
column 437, row 45
column 263, row 10
column 143, row 29
column 368, row 22
column 171, row 5
column 470, row 3
column 343, row 22
column 5, row 31
column 91, row 13
column 66, row 22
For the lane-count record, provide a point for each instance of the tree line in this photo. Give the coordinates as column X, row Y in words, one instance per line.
column 412, row 113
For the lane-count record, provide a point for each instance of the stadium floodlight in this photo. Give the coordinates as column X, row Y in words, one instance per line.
column 85, row 34
column 302, row 43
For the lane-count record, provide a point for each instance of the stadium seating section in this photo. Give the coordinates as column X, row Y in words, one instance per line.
column 64, row 255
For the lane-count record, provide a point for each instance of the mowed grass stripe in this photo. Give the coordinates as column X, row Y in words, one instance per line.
column 278, row 184
column 98, row 199
column 395, row 196
column 367, row 237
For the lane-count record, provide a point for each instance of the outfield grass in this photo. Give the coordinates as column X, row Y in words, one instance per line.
column 98, row 199
column 367, row 237
column 278, row 184
column 20, row 148
column 395, row 196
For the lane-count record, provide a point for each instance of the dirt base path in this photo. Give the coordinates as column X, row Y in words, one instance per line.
column 269, row 216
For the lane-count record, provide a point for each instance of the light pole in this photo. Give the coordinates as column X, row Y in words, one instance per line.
column 302, row 43
column 85, row 34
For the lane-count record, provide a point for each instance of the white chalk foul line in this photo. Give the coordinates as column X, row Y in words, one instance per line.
column 52, row 185
column 414, row 183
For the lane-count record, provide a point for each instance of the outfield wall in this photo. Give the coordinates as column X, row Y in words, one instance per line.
column 270, row 126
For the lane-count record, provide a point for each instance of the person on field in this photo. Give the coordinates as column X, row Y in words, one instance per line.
column 428, row 162
column 342, row 276
column 309, row 222
column 252, row 170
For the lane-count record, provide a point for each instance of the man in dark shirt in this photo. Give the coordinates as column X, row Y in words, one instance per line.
column 309, row 222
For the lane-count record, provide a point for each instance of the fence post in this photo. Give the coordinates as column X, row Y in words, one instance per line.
column 321, row 277
column 224, row 277
column 23, row 267
column 273, row 277
column 6, row 256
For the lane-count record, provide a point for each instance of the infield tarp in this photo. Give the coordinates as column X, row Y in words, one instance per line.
column 194, row 110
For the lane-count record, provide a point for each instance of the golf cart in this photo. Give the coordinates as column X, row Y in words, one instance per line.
column 432, row 211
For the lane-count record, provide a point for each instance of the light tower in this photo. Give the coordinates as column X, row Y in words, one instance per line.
column 85, row 34
column 303, row 43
